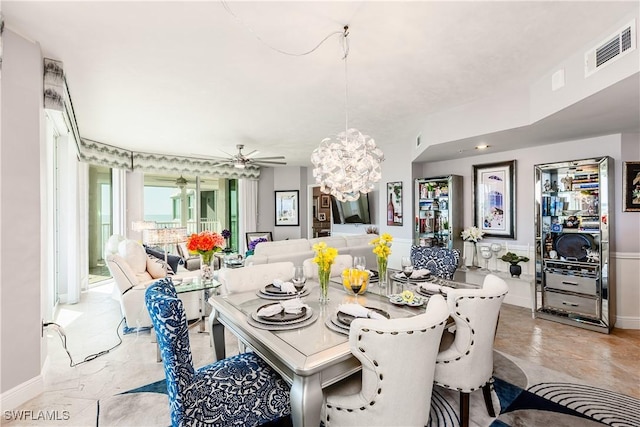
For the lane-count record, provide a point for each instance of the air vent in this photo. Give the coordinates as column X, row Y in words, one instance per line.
column 611, row 49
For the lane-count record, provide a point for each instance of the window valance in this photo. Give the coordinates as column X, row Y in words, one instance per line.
column 97, row 153
column 163, row 163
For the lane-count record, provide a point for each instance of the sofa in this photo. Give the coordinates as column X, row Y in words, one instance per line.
column 298, row 250
column 133, row 270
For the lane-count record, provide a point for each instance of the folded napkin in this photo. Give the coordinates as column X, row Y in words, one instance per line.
column 430, row 287
column 284, row 286
column 293, row 306
column 420, row 273
column 356, row 310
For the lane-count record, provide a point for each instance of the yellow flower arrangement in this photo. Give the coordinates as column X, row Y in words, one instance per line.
column 324, row 258
column 382, row 245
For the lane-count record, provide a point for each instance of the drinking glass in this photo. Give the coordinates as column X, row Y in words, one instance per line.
column 359, row 262
column 299, row 278
column 485, row 252
column 407, row 267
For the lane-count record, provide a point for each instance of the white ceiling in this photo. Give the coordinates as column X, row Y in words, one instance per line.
column 195, row 78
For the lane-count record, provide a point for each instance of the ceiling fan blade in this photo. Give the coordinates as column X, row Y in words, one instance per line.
column 269, row 158
column 253, row 153
column 258, row 162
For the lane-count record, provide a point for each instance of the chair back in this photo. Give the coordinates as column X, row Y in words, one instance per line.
column 468, row 363
column 170, row 324
column 340, row 263
column 442, row 262
column 253, row 277
column 398, row 361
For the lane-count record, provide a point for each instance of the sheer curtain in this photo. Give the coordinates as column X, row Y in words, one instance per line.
column 248, row 208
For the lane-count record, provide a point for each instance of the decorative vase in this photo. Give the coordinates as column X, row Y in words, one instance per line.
column 475, row 262
column 515, row 270
column 323, row 278
column 382, row 271
column 206, row 267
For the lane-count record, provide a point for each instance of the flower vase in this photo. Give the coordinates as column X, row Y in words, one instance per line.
column 206, row 267
column 323, row 278
column 382, row 271
column 475, row 255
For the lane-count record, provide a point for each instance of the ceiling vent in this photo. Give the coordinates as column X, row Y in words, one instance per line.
column 611, row 49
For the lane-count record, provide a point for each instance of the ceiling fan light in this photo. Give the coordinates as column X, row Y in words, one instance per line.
column 239, row 164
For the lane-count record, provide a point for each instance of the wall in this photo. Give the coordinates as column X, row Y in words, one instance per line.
column 626, row 225
column 20, row 229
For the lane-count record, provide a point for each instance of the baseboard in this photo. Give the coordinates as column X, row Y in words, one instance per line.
column 22, row 393
column 626, row 322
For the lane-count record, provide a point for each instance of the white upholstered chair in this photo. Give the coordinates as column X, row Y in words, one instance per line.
column 467, row 364
column 340, row 263
column 398, row 361
column 252, row 277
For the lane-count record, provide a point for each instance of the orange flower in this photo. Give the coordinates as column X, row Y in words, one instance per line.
column 205, row 241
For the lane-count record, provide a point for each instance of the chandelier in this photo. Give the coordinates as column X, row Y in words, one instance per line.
column 349, row 163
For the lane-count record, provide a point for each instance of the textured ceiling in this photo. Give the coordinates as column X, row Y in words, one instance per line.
column 197, row 78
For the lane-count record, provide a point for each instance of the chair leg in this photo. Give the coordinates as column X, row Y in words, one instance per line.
column 464, row 409
column 486, row 392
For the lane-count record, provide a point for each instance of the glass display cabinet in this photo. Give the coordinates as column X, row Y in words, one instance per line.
column 573, row 220
column 438, row 212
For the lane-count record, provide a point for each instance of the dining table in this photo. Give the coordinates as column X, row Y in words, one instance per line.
column 311, row 356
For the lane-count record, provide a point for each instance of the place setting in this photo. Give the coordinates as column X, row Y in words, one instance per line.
column 281, row 290
column 283, row 315
column 340, row 321
column 409, row 273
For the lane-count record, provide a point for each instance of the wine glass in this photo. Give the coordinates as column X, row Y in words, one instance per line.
column 299, row 278
column 355, row 281
column 495, row 248
column 485, row 252
column 359, row 262
column 407, row 267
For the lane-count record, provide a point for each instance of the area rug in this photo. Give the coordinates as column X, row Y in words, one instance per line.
column 524, row 394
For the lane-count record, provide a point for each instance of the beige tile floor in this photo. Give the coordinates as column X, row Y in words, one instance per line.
column 90, row 326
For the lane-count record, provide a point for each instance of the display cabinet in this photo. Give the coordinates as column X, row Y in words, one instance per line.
column 438, row 212
column 573, row 220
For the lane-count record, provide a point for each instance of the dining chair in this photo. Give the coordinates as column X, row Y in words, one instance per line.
column 248, row 278
column 442, row 262
column 398, row 360
column 340, row 263
column 240, row 390
column 467, row 364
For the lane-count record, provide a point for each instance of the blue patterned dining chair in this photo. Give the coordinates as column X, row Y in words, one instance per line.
column 442, row 262
column 240, row 390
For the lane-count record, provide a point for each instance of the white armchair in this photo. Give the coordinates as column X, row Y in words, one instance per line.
column 398, row 360
column 132, row 270
column 467, row 364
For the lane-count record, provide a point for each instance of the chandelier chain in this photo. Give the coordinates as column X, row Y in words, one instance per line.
column 257, row 36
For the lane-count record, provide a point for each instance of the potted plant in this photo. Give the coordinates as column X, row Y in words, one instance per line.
column 513, row 260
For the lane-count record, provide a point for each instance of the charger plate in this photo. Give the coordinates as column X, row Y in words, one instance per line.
column 346, row 319
column 284, row 327
column 263, row 295
column 329, row 324
column 274, row 290
column 266, row 320
column 400, row 277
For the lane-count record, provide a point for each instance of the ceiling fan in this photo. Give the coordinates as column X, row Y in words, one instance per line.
column 241, row 160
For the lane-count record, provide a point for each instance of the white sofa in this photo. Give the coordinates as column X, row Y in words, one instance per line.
column 133, row 271
column 298, row 250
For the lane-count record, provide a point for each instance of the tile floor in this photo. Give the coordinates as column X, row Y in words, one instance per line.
column 90, row 326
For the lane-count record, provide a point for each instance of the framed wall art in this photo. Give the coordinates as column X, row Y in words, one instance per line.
column 325, row 201
column 631, row 187
column 394, row 204
column 494, row 198
column 287, row 208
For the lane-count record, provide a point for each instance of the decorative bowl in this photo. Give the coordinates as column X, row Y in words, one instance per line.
column 355, row 281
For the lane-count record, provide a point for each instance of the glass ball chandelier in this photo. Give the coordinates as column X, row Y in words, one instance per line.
column 349, row 163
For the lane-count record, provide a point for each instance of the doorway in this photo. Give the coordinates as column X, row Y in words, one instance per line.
column 319, row 208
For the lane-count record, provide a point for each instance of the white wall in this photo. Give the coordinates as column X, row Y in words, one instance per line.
column 20, row 229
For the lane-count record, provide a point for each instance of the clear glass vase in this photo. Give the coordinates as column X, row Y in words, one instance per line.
column 206, row 267
column 323, row 279
column 383, row 280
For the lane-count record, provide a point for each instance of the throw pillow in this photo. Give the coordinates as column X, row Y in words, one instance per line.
column 173, row 260
column 156, row 267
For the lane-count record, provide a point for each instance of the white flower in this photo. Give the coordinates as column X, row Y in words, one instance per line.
column 473, row 234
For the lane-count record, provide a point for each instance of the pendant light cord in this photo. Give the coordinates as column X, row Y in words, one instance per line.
column 345, row 49
column 228, row 9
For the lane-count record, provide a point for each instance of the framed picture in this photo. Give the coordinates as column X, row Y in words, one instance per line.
column 394, row 206
column 322, row 216
column 325, row 201
column 494, row 198
column 259, row 235
column 631, row 184
column 287, row 212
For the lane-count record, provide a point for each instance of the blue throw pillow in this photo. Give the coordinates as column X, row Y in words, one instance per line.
column 172, row 260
